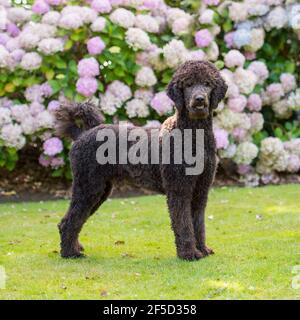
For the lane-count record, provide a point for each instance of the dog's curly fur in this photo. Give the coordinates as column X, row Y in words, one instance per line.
column 186, row 194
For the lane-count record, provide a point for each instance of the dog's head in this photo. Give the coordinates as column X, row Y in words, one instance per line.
column 198, row 87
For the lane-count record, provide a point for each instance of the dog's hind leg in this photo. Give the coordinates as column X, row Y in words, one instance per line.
column 83, row 204
column 101, row 199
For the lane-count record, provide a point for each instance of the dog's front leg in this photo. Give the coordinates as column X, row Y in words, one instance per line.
column 182, row 225
column 198, row 214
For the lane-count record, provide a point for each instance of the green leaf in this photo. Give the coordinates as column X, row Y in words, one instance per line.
column 55, row 85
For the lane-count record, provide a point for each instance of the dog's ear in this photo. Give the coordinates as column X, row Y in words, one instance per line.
column 218, row 93
column 175, row 94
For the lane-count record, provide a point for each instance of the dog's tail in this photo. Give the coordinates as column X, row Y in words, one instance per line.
column 74, row 118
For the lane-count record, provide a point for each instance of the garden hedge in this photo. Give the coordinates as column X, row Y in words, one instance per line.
column 122, row 53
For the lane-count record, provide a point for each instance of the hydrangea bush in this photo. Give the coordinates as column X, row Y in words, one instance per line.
column 122, row 53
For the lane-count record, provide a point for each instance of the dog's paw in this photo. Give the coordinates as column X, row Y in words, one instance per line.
column 190, row 255
column 80, row 246
column 206, row 251
column 74, row 254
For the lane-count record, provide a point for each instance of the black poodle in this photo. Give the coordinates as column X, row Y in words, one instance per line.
column 196, row 89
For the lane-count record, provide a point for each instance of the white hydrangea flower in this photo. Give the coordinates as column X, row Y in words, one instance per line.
column 12, row 136
column 123, row 18
column 281, row 109
column 277, row 18
column 19, row 112
column 212, row 52
column 44, row 120
column 3, row 18
column 137, row 38
column 294, row 100
column 182, row 25
column 256, row 8
column 246, row 152
column 51, row 45
column 238, row 11
column 28, row 125
column 88, row 14
column 41, row 29
column 156, row 60
column 245, row 80
column 144, row 94
column 109, row 103
column 31, row 61
column 257, row 122
column 120, row 90
column 174, row 14
column 295, row 22
column 293, row 146
column 51, row 17
column 5, row 116
column 293, row 163
column 260, row 70
column 98, row 24
column 4, row 57
column 19, row 14
column 229, row 120
column 136, row 108
column 207, row 16
column 229, row 152
column 272, row 156
column 147, row 23
column 71, row 21
column 257, row 40
column 28, row 40
column 145, row 77
column 175, row 53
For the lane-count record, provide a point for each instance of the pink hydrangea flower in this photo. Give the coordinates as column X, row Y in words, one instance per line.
column 237, row 104
column 275, row 91
column 203, row 38
column 40, row 7
column 36, row 108
column 239, row 134
column 17, row 54
column 86, row 86
column 53, row 146
column 228, row 38
column 54, row 2
column 260, row 69
column 288, row 82
column 254, row 102
column 161, row 103
column 151, row 4
column 57, row 162
column 53, row 105
column 88, row 67
column 95, row 45
column 211, row 2
column 221, row 138
column 44, row 160
column 102, row 6
column 4, row 38
column 46, row 90
column 12, row 29
column 250, row 55
column 234, row 59
column 244, row 169
column 197, row 55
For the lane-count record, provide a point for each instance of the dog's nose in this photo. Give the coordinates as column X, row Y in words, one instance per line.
column 199, row 99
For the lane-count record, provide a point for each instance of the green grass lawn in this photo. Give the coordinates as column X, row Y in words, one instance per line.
column 131, row 255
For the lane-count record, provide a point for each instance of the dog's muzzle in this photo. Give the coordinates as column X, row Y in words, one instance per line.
column 199, row 108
